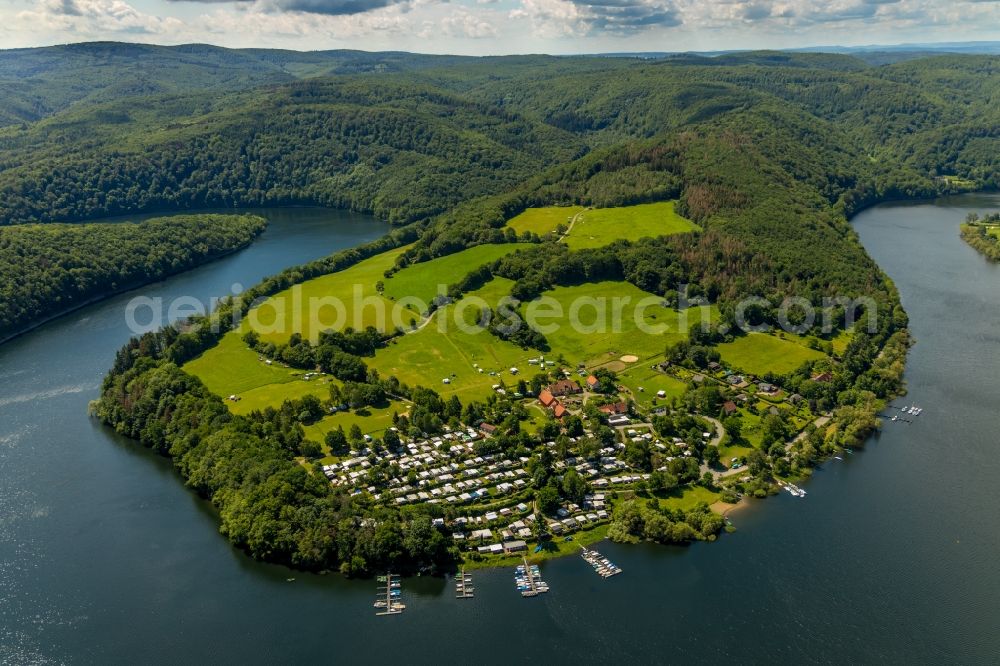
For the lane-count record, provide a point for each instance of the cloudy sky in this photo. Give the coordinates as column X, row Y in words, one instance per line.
column 500, row 26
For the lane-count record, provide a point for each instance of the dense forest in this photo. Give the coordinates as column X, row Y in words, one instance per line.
column 46, row 270
column 768, row 153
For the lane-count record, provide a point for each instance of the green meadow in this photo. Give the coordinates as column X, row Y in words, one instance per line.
column 543, row 220
column 372, row 421
column 232, row 368
column 273, row 395
column 440, row 351
column 759, row 353
column 288, row 311
column 608, row 327
column 421, row 280
column 641, row 375
column 598, row 227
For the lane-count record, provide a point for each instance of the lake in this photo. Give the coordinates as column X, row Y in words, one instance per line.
column 105, row 557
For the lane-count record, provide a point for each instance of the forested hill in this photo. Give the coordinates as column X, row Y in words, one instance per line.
column 408, row 138
column 46, row 270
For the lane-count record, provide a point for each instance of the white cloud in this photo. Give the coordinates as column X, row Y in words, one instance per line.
column 500, row 26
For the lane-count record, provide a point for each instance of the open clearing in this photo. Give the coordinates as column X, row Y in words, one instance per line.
column 601, row 226
column 231, row 368
column 597, row 227
column 372, row 421
column 289, row 311
column 759, row 353
column 543, row 220
column 441, row 351
column 421, row 280
column 608, row 328
column 651, row 381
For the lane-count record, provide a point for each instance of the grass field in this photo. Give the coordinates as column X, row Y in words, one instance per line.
column 272, row 395
column 606, row 337
column 758, row 353
column 543, row 220
column 601, row 226
column 441, row 351
column 422, row 280
column 289, row 311
column 689, row 498
column 841, row 341
column 652, row 381
column 374, row 422
column 597, row 227
column 232, row 368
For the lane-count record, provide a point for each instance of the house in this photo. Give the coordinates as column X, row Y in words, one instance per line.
column 564, row 387
column 764, row 387
column 514, row 547
column 487, row 428
column 823, row 378
column 615, row 408
column 546, row 398
column 795, row 398
column 729, row 408
column 558, row 410
column 619, row 420
column 714, row 367
column 592, row 382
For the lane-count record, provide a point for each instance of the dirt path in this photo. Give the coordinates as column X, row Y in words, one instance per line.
column 571, row 223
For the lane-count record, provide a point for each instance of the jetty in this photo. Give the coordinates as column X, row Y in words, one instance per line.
column 388, row 598
column 528, row 579
column 793, row 489
column 602, row 565
column 463, row 586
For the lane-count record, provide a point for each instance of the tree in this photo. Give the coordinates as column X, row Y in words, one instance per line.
column 573, row 425
column 573, row 486
column 548, row 500
column 336, row 441
column 356, row 436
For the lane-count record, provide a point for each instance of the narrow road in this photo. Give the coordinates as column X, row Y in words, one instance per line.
column 571, row 223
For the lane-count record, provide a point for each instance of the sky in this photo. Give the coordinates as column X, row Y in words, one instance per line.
column 490, row 27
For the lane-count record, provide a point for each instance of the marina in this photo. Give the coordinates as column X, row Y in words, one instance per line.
column 602, row 565
column 388, row 600
column 527, row 578
column 463, row 586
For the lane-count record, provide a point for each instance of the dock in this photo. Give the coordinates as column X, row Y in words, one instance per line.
column 528, row 580
column 602, row 565
column 388, row 598
column 463, row 586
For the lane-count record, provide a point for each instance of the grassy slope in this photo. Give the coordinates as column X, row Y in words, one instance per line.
column 439, row 350
column 422, row 280
column 543, row 220
column 601, row 226
column 759, row 353
column 598, row 227
column 601, row 340
column 276, row 319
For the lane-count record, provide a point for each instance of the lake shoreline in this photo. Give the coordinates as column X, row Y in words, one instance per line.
column 28, row 328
